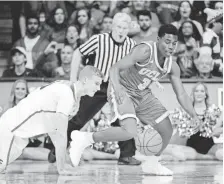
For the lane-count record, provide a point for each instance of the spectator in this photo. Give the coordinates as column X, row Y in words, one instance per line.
column 106, row 25
column 39, row 56
column 212, row 35
column 188, row 44
column 19, row 91
column 85, row 27
column 63, row 71
column 205, row 64
column 58, row 24
column 19, row 59
column 166, row 10
column 30, row 7
column 72, row 36
column 147, row 32
column 217, row 5
column 185, row 12
column 198, row 147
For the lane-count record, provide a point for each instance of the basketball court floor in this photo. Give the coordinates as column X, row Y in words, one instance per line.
column 108, row 172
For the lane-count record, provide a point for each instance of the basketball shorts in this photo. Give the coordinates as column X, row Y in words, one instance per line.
column 147, row 109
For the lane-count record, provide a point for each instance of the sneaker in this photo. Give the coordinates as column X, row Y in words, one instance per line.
column 128, row 161
column 152, row 166
column 78, row 144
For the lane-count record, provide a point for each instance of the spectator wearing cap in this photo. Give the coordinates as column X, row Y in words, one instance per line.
column 39, row 56
column 19, row 58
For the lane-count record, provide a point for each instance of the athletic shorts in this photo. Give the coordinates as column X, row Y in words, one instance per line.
column 147, row 109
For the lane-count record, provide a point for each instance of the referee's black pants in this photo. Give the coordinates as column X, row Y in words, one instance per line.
column 89, row 106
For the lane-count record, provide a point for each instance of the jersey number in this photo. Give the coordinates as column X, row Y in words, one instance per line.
column 145, row 84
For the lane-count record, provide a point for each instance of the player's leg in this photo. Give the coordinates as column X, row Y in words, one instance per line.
column 151, row 112
column 127, row 131
column 216, row 151
column 37, row 153
column 89, row 106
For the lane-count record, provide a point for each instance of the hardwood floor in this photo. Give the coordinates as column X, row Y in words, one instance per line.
column 108, row 172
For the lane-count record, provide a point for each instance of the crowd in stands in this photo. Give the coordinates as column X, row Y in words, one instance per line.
column 51, row 30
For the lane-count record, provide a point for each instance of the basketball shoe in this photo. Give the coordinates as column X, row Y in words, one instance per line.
column 80, row 141
column 152, row 166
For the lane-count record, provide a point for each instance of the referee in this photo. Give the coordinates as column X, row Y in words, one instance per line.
column 103, row 51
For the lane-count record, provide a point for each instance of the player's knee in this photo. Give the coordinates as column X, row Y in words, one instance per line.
column 130, row 128
column 219, row 154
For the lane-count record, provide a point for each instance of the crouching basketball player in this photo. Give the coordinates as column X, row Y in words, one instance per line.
column 132, row 99
column 45, row 111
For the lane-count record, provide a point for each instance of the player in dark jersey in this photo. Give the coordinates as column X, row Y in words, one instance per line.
column 130, row 94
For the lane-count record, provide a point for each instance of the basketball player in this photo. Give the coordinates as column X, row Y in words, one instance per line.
column 46, row 111
column 132, row 99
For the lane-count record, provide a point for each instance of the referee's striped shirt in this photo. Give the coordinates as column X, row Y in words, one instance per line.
column 107, row 51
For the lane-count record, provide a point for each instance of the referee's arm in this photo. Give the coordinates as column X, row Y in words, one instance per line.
column 84, row 50
column 75, row 65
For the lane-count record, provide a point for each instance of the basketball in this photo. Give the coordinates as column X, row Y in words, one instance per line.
column 148, row 142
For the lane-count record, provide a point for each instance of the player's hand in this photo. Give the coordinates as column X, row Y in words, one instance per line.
column 120, row 95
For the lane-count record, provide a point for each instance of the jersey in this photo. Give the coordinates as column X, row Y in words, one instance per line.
column 138, row 78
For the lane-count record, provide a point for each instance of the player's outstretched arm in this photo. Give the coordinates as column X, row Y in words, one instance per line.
column 181, row 94
column 59, row 139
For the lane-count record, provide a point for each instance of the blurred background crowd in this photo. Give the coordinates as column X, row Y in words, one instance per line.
column 37, row 38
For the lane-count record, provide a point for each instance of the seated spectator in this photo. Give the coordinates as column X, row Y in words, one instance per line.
column 132, row 10
column 185, row 12
column 63, row 72
column 205, row 65
column 217, row 5
column 166, row 10
column 188, row 44
column 18, row 92
column 106, row 25
column 36, row 7
column 58, row 24
column 19, row 59
column 84, row 24
column 213, row 34
column 38, row 56
column 198, row 147
column 147, row 32
column 72, row 36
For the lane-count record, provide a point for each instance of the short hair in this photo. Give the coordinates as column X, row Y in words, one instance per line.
column 121, row 17
column 90, row 71
column 167, row 29
column 144, row 13
column 32, row 15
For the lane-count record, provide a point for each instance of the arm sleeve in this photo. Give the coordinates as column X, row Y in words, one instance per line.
column 90, row 46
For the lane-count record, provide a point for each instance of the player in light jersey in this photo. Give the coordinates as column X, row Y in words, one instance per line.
column 132, row 99
column 46, row 111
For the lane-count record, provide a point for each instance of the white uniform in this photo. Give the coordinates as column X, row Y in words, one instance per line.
column 35, row 115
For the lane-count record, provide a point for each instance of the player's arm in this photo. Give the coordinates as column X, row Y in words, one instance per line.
column 180, row 92
column 65, row 102
column 139, row 53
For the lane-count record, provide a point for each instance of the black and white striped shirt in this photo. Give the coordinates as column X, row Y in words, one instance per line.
column 107, row 51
